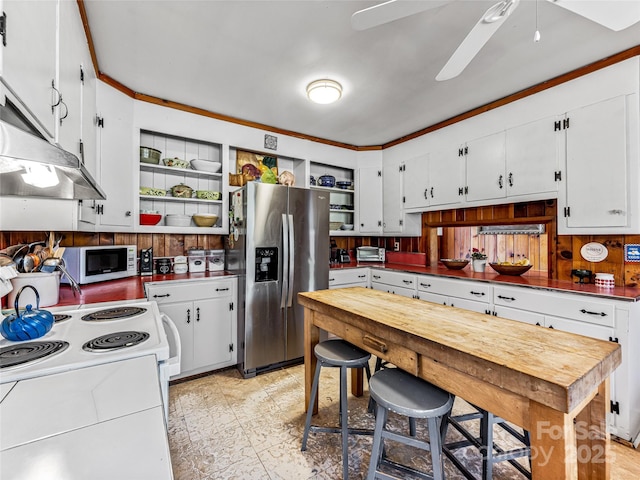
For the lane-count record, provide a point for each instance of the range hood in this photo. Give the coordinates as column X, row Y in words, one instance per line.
column 30, row 166
column 536, row 229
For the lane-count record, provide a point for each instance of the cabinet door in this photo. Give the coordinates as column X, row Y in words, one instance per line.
column 370, row 200
column 116, row 150
column 446, row 177
column 212, row 342
column 597, row 180
column 485, row 167
column 29, row 59
column 519, row 315
column 392, row 199
column 532, row 153
column 182, row 315
column 416, row 182
column 383, row 287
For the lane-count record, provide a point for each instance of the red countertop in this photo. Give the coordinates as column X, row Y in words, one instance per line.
column 132, row 288
column 529, row 280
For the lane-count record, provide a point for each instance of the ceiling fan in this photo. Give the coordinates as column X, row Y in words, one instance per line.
column 616, row 15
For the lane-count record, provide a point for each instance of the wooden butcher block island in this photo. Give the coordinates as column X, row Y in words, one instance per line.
column 552, row 383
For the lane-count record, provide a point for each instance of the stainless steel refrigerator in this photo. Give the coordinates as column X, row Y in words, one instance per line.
column 278, row 245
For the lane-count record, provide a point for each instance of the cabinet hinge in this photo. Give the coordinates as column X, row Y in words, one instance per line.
column 231, row 306
column 613, row 339
column 615, row 407
column 379, row 173
column 400, row 222
column 567, row 211
column 82, row 74
column 461, row 191
column 557, row 125
column 3, row 28
column 231, row 347
column 557, row 176
column 81, row 150
column 99, row 121
column 403, row 199
column 379, row 223
column 565, row 123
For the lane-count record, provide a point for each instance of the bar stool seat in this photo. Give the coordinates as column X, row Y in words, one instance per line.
column 341, row 354
column 395, row 390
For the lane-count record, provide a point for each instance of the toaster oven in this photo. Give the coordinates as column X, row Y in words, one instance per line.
column 370, row 254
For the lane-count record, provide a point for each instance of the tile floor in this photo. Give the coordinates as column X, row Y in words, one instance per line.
column 224, row 427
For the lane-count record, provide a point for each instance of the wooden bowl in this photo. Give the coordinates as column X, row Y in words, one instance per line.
column 510, row 269
column 454, row 264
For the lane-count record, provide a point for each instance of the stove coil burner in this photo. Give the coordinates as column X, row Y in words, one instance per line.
column 114, row 341
column 113, row 314
column 59, row 317
column 29, row 352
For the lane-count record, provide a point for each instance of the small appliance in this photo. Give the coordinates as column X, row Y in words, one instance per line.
column 163, row 266
column 97, row 264
column 370, row 254
column 146, row 262
column 343, row 256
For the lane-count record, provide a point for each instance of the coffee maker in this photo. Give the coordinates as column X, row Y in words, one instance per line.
column 146, row 261
column 343, row 256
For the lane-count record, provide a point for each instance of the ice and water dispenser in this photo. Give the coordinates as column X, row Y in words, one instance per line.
column 266, row 264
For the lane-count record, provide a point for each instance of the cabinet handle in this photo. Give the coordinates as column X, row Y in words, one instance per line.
column 376, row 277
column 222, row 289
column 601, row 314
column 66, row 111
column 538, row 324
column 426, row 285
column 162, row 296
column 426, row 193
column 374, row 343
column 362, row 276
column 511, row 299
column 198, row 314
column 408, row 282
column 127, row 213
column 54, row 105
column 500, row 181
column 332, row 279
column 510, row 179
column 431, row 192
column 188, row 315
column 616, row 212
column 551, row 327
column 479, row 294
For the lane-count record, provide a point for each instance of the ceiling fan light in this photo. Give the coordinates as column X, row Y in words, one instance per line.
column 324, row 91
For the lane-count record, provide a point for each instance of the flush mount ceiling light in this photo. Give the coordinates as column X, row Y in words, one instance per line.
column 324, row 91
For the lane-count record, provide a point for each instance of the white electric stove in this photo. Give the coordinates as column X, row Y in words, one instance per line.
column 94, row 335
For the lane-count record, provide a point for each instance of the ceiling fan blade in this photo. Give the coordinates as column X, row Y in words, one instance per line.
column 389, row 11
column 616, row 15
column 480, row 34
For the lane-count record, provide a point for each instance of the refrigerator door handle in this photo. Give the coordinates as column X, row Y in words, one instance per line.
column 285, row 261
column 292, row 254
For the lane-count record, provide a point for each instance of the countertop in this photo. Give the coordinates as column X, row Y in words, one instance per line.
column 533, row 281
column 132, row 288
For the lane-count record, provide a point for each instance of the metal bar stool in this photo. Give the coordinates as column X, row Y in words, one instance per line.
column 491, row 452
column 395, row 390
column 342, row 354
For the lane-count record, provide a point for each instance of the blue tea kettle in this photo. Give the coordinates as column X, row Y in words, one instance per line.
column 29, row 324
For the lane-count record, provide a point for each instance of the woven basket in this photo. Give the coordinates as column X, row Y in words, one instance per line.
column 335, row 225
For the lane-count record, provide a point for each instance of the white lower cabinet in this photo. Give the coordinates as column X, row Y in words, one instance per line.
column 592, row 317
column 394, row 282
column 472, row 296
column 352, row 277
column 205, row 313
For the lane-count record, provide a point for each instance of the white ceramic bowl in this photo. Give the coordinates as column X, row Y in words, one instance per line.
column 206, row 166
column 174, row 220
column 347, row 226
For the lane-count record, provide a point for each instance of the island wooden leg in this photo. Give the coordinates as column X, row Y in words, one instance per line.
column 592, row 437
column 553, row 444
column 357, row 380
column 311, row 339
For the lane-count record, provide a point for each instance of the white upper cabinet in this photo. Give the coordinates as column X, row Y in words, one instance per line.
column 392, row 198
column 369, row 208
column 600, row 189
column 434, row 179
column 533, row 153
column 29, row 59
column 115, row 148
column 485, row 161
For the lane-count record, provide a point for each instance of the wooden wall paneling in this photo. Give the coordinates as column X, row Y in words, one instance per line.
column 578, row 262
column 564, row 257
column 470, row 214
column 432, row 251
column 520, row 210
column 503, row 211
column 485, row 213
column 5, row 240
column 614, row 263
column 125, row 239
column 521, row 247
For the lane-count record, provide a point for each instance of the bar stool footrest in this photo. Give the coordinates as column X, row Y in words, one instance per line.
column 402, row 468
column 350, row 431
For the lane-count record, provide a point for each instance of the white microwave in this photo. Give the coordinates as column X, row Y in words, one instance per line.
column 370, row 254
column 97, row 264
